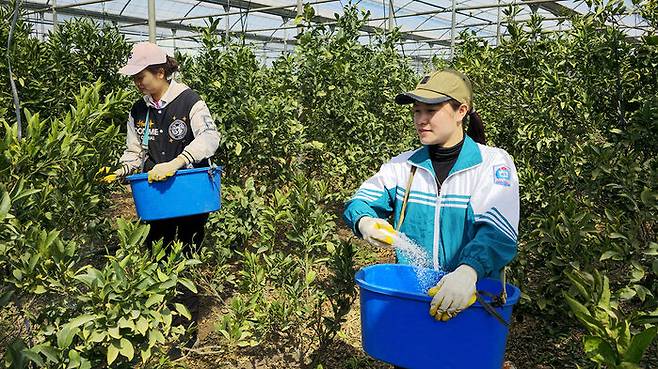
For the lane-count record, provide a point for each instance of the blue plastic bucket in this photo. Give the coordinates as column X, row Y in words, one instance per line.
column 188, row 192
column 396, row 326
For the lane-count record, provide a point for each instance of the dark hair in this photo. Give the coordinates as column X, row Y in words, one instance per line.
column 475, row 126
column 169, row 67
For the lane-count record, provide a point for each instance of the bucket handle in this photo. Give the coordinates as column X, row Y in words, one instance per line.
column 497, row 301
column 211, row 172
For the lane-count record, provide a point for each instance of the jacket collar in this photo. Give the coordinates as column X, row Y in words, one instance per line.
column 174, row 89
column 469, row 157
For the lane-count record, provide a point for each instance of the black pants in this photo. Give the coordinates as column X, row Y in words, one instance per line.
column 188, row 230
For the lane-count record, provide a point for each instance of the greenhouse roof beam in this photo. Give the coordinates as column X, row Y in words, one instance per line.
column 556, row 9
column 45, row 7
column 292, row 13
column 76, row 12
column 71, row 11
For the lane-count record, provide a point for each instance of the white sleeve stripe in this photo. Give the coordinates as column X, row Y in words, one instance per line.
column 500, row 216
column 371, row 191
column 421, row 194
column 416, row 201
column 486, row 219
column 454, row 206
column 502, row 223
column 497, row 215
column 363, row 197
column 416, row 195
column 368, row 194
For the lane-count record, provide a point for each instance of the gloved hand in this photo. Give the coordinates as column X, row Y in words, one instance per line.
column 454, row 293
column 162, row 171
column 377, row 231
column 119, row 173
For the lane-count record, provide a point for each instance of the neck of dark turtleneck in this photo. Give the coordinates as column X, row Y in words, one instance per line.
column 441, row 153
column 443, row 159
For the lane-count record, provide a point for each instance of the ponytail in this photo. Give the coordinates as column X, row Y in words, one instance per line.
column 476, row 127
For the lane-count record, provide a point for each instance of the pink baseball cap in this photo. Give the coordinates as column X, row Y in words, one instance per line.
column 143, row 55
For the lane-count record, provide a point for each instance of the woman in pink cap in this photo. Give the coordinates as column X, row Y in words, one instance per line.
column 170, row 128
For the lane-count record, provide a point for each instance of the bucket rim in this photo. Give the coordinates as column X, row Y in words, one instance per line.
column 513, row 292
column 144, row 176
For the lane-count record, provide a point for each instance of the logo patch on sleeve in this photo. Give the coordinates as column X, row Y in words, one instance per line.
column 502, row 175
column 177, row 129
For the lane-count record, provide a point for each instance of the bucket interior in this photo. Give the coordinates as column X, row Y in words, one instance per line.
column 412, row 282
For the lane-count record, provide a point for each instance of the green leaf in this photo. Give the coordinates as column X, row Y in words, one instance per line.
column 310, row 277
column 576, row 306
column 599, row 350
column 97, row 336
column 604, row 301
column 188, row 284
column 578, row 282
column 112, row 352
column 74, row 359
column 146, row 354
column 615, row 235
column 155, row 336
column 126, row 349
column 114, row 332
column 182, row 310
column 5, row 204
column 118, row 272
column 639, row 344
column 65, row 336
column 647, row 197
column 126, row 323
column 33, row 356
column 609, row 254
column 154, row 299
column 238, row 149
column 46, row 350
column 584, row 316
column 142, row 325
column 81, row 320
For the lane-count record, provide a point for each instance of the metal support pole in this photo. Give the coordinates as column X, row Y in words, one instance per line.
column 173, row 33
column 152, row 25
column 452, row 29
column 54, row 15
column 391, row 15
column 285, row 35
column 498, row 26
column 227, row 9
column 43, row 26
column 300, row 10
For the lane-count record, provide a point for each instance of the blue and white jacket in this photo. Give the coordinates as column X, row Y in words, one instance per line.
column 471, row 219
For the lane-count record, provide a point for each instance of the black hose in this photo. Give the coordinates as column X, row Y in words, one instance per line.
column 17, row 103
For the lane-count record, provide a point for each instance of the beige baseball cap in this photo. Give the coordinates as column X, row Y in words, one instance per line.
column 439, row 87
column 143, row 55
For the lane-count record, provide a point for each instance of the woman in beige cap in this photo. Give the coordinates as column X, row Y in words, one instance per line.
column 169, row 128
column 456, row 197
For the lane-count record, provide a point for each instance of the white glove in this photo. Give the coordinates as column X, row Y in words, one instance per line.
column 377, row 232
column 455, row 291
column 162, row 171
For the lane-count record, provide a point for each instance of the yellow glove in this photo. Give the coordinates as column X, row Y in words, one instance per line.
column 109, row 178
column 451, row 294
column 162, row 171
column 377, row 232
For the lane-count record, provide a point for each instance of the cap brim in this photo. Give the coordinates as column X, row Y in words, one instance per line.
column 131, row 70
column 423, row 96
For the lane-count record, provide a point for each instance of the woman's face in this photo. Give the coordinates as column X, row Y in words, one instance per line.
column 149, row 83
column 439, row 124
